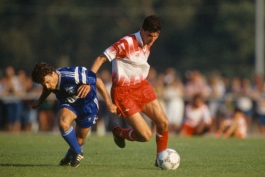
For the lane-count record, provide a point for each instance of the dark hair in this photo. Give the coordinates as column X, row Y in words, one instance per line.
column 41, row 70
column 152, row 24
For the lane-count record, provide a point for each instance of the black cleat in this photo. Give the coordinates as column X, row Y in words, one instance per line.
column 118, row 140
column 67, row 158
column 75, row 162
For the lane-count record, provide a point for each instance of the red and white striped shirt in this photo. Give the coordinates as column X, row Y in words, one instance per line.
column 129, row 60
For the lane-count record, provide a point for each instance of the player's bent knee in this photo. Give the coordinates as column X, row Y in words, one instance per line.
column 63, row 126
column 81, row 141
column 163, row 125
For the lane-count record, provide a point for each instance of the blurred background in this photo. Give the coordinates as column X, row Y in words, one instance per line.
column 201, row 34
column 200, row 38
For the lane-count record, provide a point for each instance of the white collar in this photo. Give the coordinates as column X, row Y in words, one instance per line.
column 59, row 80
column 139, row 38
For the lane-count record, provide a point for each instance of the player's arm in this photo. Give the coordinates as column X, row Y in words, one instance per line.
column 88, row 78
column 98, row 62
column 45, row 93
column 103, row 91
column 83, row 90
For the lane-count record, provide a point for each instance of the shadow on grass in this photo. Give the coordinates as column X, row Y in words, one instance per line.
column 94, row 165
column 25, row 165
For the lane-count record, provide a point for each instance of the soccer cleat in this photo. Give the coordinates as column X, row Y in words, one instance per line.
column 76, row 159
column 118, row 140
column 67, row 158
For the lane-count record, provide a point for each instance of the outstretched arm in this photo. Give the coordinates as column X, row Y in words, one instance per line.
column 45, row 93
column 98, row 62
column 102, row 90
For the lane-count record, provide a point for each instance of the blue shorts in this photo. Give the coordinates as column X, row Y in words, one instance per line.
column 86, row 114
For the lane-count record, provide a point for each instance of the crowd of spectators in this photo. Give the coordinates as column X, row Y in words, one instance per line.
column 195, row 104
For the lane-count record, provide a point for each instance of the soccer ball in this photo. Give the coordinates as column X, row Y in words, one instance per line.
column 168, row 159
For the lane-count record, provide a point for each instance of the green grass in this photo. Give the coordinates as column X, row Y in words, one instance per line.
column 38, row 155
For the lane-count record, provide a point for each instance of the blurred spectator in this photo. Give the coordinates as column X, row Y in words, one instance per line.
column 216, row 102
column 235, row 87
column 197, row 117
column 196, row 84
column 244, row 101
column 241, row 91
column 159, row 87
column 152, row 76
column 13, row 104
column 258, row 94
column 2, row 113
column 260, row 108
column 170, row 75
column 28, row 116
column 46, row 115
column 173, row 94
column 258, row 85
column 236, row 126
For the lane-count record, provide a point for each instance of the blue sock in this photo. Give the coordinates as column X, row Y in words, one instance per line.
column 70, row 137
column 69, row 152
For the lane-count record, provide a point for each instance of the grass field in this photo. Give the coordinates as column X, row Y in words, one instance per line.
column 38, row 155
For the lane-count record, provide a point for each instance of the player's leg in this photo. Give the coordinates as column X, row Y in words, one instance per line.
column 130, row 101
column 66, row 117
column 139, row 131
column 81, row 134
column 156, row 113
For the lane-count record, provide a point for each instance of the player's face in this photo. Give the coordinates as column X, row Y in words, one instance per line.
column 149, row 37
column 50, row 81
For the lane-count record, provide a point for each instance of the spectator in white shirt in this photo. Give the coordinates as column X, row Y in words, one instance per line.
column 197, row 117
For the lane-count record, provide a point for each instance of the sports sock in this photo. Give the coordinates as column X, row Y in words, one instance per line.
column 126, row 133
column 70, row 137
column 161, row 140
column 69, row 152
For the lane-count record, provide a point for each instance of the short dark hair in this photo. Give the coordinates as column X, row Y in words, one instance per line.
column 41, row 70
column 152, row 23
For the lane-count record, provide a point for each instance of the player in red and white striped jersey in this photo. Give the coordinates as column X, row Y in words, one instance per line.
column 131, row 92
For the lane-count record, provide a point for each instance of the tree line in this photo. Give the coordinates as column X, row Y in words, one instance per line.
column 201, row 34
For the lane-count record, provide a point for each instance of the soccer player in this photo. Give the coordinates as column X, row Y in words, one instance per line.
column 75, row 88
column 131, row 92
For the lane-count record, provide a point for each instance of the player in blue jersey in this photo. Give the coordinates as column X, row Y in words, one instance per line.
column 75, row 88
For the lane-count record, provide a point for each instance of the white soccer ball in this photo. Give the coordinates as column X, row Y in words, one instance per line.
column 168, row 159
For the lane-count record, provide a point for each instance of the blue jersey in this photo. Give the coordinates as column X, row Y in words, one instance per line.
column 70, row 78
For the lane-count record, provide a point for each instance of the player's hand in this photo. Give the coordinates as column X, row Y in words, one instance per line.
column 83, row 90
column 112, row 108
column 35, row 104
